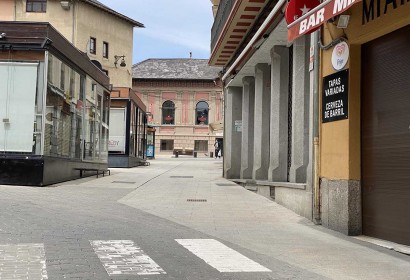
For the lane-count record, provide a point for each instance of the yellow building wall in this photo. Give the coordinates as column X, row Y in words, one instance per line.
column 116, row 32
column 83, row 21
column 61, row 19
column 340, row 140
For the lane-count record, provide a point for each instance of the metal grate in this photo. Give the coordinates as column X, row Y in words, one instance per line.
column 196, row 200
column 181, row 176
column 122, row 182
column 290, row 105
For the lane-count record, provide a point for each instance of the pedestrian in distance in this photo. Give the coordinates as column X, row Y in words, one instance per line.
column 217, row 148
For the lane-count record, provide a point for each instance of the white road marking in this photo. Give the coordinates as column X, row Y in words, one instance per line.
column 124, row 257
column 22, row 261
column 221, row 257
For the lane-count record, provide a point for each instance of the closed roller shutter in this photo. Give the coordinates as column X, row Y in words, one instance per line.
column 386, row 137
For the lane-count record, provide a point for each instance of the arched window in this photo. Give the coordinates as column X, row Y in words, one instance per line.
column 168, row 112
column 202, row 113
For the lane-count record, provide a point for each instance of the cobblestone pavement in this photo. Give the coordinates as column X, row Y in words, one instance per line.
column 61, row 223
column 83, row 229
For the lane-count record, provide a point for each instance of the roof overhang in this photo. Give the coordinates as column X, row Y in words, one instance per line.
column 269, row 27
column 241, row 19
column 115, row 13
column 278, row 37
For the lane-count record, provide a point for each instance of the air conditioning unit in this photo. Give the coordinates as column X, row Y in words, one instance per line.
column 65, row 5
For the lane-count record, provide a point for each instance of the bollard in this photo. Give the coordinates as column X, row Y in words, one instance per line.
column 211, row 154
column 195, row 154
column 176, row 154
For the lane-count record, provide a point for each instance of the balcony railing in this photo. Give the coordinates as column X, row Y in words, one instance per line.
column 224, row 9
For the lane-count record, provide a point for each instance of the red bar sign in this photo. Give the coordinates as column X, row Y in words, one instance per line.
column 318, row 16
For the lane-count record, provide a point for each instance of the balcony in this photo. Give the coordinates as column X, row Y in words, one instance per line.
column 232, row 23
column 224, row 9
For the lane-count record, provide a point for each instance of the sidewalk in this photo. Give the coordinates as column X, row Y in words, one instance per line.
column 227, row 211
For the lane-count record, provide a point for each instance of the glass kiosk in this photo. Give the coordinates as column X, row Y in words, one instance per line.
column 54, row 108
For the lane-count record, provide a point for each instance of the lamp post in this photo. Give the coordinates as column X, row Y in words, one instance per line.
column 117, row 57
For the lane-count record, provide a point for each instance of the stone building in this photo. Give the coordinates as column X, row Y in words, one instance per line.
column 184, row 103
column 323, row 106
column 268, row 132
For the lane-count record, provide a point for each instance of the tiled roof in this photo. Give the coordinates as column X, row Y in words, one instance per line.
column 180, row 69
column 100, row 5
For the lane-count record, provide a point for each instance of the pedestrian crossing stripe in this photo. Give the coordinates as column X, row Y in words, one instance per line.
column 221, row 257
column 121, row 257
column 22, row 261
column 124, row 257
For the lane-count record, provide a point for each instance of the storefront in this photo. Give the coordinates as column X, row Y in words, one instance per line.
column 365, row 135
column 54, row 107
column 127, row 142
column 150, row 141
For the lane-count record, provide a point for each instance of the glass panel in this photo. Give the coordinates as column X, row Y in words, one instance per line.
column 201, row 145
column 168, row 112
column 116, row 141
column 141, row 127
column 167, row 145
column 64, row 106
column 133, row 130
column 17, row 107
column 202, row 113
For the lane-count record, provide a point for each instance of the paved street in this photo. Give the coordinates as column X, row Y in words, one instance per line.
column 175, row 219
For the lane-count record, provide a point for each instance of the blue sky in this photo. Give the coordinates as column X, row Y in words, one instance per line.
column 173, row 28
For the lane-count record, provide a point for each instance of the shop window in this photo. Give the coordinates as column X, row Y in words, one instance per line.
column 64, row 117
column 105, row 50
column 18, row 108
column 93, row 45
column 201, row 146
column 202, row 113
column 117, row 140
column 167, row 145
column 168, row 112
column 36, row 6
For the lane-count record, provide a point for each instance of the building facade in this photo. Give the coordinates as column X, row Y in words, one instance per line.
column 108, row 45
column 320, row 105
column 184, row 103
column 267, row 86
column 127, row 145
column 55, row 123
column 363, row 158
column 80, row 22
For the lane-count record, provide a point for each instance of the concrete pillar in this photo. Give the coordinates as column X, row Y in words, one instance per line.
column 248, row 114
column 300, row 111
column 279, row 114
column 261, row 122
column 232, row 134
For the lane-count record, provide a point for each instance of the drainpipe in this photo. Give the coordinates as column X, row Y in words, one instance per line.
column 317, row 41
column 316, row 122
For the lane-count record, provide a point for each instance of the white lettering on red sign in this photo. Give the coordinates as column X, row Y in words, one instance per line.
column 341, row 5
column 313, row 20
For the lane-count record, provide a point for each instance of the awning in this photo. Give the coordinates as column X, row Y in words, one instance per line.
column 318, row 16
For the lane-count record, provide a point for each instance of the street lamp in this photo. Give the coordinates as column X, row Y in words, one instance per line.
column 117, row 57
